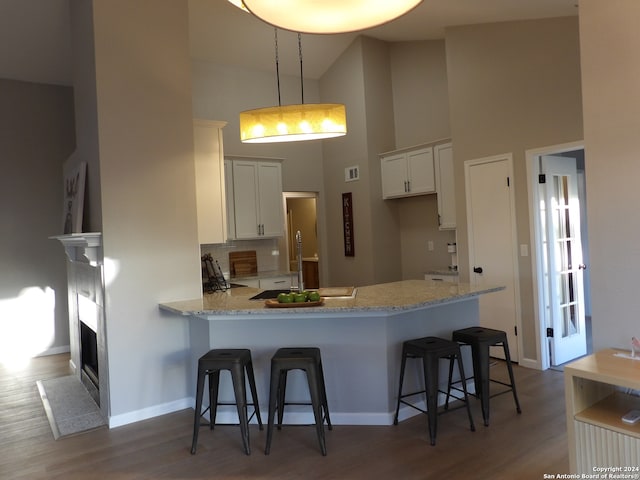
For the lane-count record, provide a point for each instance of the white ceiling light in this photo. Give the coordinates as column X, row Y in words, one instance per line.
column 239, row 4
column 327, row 16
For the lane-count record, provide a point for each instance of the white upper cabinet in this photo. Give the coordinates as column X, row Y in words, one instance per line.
column 210, row 181
column 407, row 173
column 443, row 161
column 257, row 199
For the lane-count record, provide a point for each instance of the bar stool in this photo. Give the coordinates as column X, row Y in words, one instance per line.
column 308, row 360
column 431, row 350
column 480, row 339
column 236, row 361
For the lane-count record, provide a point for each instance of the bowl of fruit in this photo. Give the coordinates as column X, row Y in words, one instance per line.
column 307, row 298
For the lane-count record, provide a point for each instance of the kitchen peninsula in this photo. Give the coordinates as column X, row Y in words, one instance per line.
column 360, row 338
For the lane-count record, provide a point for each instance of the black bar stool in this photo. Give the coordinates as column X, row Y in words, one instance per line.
column 308, row 360
column 236, row 360
column 431, row 350
column 480, row 339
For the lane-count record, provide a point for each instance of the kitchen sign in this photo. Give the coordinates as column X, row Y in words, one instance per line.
column 347, row 222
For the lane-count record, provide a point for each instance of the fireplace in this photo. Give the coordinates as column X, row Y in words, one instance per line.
column 87, row 322
column 89, row 369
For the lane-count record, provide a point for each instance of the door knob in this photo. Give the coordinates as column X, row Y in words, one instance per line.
column 477, row 269
column 582, row 266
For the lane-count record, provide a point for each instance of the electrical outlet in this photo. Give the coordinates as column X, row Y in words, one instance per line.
column 430, row 245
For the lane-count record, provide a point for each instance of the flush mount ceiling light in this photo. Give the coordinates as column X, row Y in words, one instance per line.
column 293, row 123
column 327, row 16
column 239, row 4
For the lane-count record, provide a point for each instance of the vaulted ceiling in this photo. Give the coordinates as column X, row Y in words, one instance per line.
column 35, row 43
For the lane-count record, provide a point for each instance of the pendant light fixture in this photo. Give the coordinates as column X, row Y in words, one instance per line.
column 327, row 16
column 292, row 123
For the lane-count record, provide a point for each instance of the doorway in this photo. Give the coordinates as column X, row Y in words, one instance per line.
column 301, row 215
column 557, row 202
column 492, row 244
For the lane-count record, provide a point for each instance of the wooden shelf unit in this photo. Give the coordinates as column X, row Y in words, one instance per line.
column 596, row 399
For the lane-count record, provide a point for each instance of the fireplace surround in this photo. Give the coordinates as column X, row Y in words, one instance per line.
column 87, row 326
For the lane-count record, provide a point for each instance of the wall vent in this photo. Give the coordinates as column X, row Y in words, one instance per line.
column 352, row 173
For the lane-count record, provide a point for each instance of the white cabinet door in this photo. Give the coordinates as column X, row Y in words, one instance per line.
column 394, row 175
column 245, row 199
column 270, row 204
column 408, row 173
column 421, row 177
column 443, row 162
column 257, row 199
column 210, row 181
column 231, row 211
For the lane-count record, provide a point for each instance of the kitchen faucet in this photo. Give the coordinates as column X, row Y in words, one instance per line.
column 299, row 249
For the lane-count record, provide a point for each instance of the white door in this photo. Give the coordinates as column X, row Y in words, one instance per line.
column 492, row 244
column 560, row 216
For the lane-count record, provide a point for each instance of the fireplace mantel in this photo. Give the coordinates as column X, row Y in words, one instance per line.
column 82, row 247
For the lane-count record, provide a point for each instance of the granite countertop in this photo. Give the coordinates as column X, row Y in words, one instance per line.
column 441, row 271
column 387, row 297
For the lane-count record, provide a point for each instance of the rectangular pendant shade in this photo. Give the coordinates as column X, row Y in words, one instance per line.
column 291, row 123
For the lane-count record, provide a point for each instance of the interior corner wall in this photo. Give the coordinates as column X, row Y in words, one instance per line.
column 421, row 115
column 420, row 92
column 366, row 136
column 384, row 235
column 513, row 86
column 84, row 92
column 147, row 180
column 36, row 137
column 609, row 37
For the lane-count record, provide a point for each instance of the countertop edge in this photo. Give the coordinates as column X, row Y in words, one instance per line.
column 325, row 309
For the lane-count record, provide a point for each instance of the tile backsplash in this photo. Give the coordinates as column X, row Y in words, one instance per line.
column 269, row 255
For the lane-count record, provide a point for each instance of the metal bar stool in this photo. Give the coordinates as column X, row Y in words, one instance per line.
column 308, row 360
column 480, row 339
column 209, row 365
column 431, row 350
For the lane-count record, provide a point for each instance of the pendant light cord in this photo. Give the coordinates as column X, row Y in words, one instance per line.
column 277, row 66
column 301, row 81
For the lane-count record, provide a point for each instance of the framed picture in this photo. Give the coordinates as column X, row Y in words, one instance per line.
column 73, row 209
column 347, row 225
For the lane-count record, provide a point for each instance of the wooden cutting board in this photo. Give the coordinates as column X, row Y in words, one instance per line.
column 242, row 264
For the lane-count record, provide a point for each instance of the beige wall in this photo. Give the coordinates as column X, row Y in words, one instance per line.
column 421, row 114
column 512, row 86
column 420, row 92
column 36, row 137
column 609, row 37
column 145, row 154
column 360, row 78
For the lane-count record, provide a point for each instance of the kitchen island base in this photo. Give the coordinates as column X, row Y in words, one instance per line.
column 361, row 354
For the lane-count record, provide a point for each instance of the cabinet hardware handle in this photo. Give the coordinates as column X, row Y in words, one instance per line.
column 477, row 269
column 408, row 186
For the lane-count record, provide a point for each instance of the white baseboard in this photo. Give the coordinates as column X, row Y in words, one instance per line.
column 150, row 412
column 54, row 351
column 293, row 415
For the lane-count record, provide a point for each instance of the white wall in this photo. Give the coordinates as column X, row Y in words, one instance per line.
column 609, row 37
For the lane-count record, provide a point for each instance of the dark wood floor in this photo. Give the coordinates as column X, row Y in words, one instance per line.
column 514, row 446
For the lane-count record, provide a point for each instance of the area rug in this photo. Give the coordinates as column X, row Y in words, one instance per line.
column 69, row 407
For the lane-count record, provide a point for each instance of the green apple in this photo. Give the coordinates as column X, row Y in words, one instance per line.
column 299, row 297
column 314, row 297
column 285, row 298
